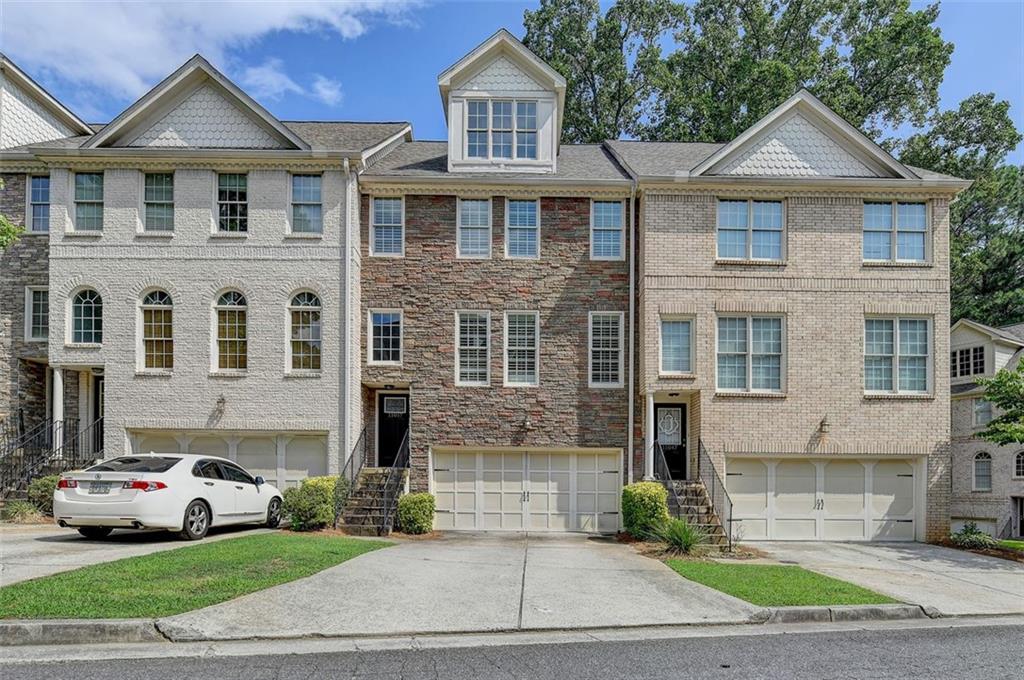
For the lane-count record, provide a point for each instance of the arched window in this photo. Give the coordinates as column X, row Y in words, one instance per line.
column 304, row 313
column 158, row 331
column 1018, row 465
column 232, row 346
column 982, row 472
column 87, row 317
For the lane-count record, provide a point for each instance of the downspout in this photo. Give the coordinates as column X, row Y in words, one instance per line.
column 632, row 330
column 345, row 295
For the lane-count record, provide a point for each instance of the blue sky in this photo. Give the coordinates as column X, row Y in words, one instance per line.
column 366, row 59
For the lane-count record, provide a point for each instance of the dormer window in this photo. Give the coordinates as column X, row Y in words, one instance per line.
column 501, row 129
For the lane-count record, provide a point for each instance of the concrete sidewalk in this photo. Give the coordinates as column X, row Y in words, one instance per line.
column 470, row 582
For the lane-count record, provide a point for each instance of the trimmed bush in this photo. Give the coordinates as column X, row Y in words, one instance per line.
column 679, row 536
column 644, row 507
column 310, row 505
column 970, row 537
column 19, row 511
column 40, row 493
column 416, row 513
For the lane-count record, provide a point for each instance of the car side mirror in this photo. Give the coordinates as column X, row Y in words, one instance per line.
column 259, row 480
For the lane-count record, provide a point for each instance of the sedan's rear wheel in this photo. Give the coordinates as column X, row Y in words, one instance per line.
column 273, row 513
column 95, row 532
column 197, row 521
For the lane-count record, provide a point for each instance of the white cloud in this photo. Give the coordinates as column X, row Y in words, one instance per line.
column 269, row 81
column 123, row 48
column 327, row 90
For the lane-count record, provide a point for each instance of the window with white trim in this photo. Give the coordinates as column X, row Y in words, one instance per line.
column 982, row 411
column 605, row 349
column 676, row 345
column 522, row 229
column 473, row 352
column 387, row 222
column 1018, row 465
column 606, row 230
column 982, row 471
column 37, row 314
column 87, row 317
column 522, row 338
column 233, row 203
column 386, row 336
column 501, row 129
column 304, row 346
column 750, row 230
column 966, row 362
column 39, row 204
column 474, row 228
column 897, row 355
column 895, row 232
column 307, row 208
column 157, row 331
column 232, row 332
column 750, row 353
column 88, row 201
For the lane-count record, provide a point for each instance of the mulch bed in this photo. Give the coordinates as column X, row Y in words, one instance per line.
column 1002, row 553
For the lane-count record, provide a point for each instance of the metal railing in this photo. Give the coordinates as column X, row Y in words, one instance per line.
column 350, row 473
column 664, row 475
column 50, row 447
column 392, row 486
column 715, row 486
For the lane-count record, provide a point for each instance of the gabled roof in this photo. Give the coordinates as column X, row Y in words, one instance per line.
column 660, row 159
column 1013, row 335
column 191, row 75
column 1016, row 330
column 47, row 100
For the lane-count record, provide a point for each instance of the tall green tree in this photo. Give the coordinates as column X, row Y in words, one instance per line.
column 1006, row 390
column 9, row 231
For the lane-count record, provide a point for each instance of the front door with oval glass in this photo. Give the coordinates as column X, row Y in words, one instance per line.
column 670, row 424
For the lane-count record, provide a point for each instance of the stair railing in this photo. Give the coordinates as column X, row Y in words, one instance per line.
column 392, row 486
column 664, row 475
column 350, row 472
column 720, row 501
column 75, row 448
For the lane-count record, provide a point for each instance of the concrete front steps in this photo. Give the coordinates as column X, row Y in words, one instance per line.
column 695, row 507
column 368, row 512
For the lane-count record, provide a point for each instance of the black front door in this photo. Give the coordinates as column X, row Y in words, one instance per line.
column 97, row 413
column 392, row 424
column 670, row 432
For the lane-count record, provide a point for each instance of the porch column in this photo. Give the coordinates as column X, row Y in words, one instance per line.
column 58, row 407
column 649, row 437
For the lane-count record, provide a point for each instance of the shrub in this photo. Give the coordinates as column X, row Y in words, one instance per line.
column 310, row 505
column 644, row 507
column 679, row 535
column 19, row 511
column 970, row 537
column 416, row 513
column 40, row 492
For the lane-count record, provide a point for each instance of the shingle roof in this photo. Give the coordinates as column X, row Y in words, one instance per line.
column 963, row 388
column 1014, row 330
column 661, row 159
column 928, row 174
column 1012, row 333
column 430, row 159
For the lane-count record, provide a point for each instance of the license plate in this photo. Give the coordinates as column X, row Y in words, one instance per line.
column 99, row 488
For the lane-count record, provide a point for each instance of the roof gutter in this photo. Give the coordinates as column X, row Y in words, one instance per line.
column 496, row 180
column 133, row 153
column 790, row 182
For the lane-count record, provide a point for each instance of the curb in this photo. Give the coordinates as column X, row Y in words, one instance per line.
column 78, row 631
column 848, row 613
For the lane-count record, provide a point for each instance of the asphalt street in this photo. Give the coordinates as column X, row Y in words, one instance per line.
column 957, row 652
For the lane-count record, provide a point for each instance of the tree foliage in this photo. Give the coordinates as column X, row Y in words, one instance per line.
column 9, row 231
column 1006, row 391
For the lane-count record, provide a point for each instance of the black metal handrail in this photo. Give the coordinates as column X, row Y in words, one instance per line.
column 664, row 475
column 720, row 501
column 350, row 472
column 40, row 436
column 392, row 486
column 59, row 446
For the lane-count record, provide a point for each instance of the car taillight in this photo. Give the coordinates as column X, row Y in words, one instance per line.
column 67, row 484
column 143, row 485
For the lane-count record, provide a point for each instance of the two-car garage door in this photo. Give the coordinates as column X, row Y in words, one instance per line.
column 839, row 500
column 527, row 490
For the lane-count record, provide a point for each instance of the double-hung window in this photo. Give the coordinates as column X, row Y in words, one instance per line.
column 750, row 230
column 606, row 230
column 966, row 362
column 473, row 348
column 88, row 201
column 307, row 209
column 503, row 129
column 232, row 203
column 606, row 349
column 676, row 346
column 895, row 232
column 87, row 318
column 897, row 355
column 474, row 227
column 387, row 227
column 522, row 338
column 305, row 346
column 750, row 353
column 385, row 336
column 982, row 472
column 37, row 314
column 232, row 332
column 39, row 204
column 158, row 331
column 522, row 229
column 982, row 412
column 158, row 196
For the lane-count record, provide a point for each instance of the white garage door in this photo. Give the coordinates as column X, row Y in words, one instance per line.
column 527, row 490
column 836, row 500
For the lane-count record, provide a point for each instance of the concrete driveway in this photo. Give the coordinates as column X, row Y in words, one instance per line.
column 30, row 551
column 470, row 582
column 954, row 582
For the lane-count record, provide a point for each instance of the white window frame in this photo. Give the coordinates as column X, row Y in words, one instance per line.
column 749, row 256
column 974, row 471
column 215, row 307
column 140, row 335
column 143, row 226
column 458, row 230
column 954, row 361
column 459, row 382
column 292, row 203
column 490, row 129
column 369, row 336
column 372, row 250
column 590, row 351
column 622, row 232
column 895, row 232
column 1018, row 465
column 74, row 202
column 661, row 343
column 974, row 412
column 536, row 348
column 289, row 327
column 783, row 359
column 70, row 316
column 29, row 290
column 508, row 229
column 225, row 233
column 929, row 362
column 29, row 203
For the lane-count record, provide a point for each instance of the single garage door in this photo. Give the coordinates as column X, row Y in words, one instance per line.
column 527, row 490
column 835, row 500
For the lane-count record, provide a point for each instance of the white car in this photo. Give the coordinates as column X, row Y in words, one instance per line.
column 187, row 493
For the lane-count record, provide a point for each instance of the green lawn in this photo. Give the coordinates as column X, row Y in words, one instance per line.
column 179, row 580
column 776, row 585
column 1012, row 545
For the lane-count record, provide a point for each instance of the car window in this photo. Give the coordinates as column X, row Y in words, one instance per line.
column 207, row 468
column 236, row 474
column 136, row 464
